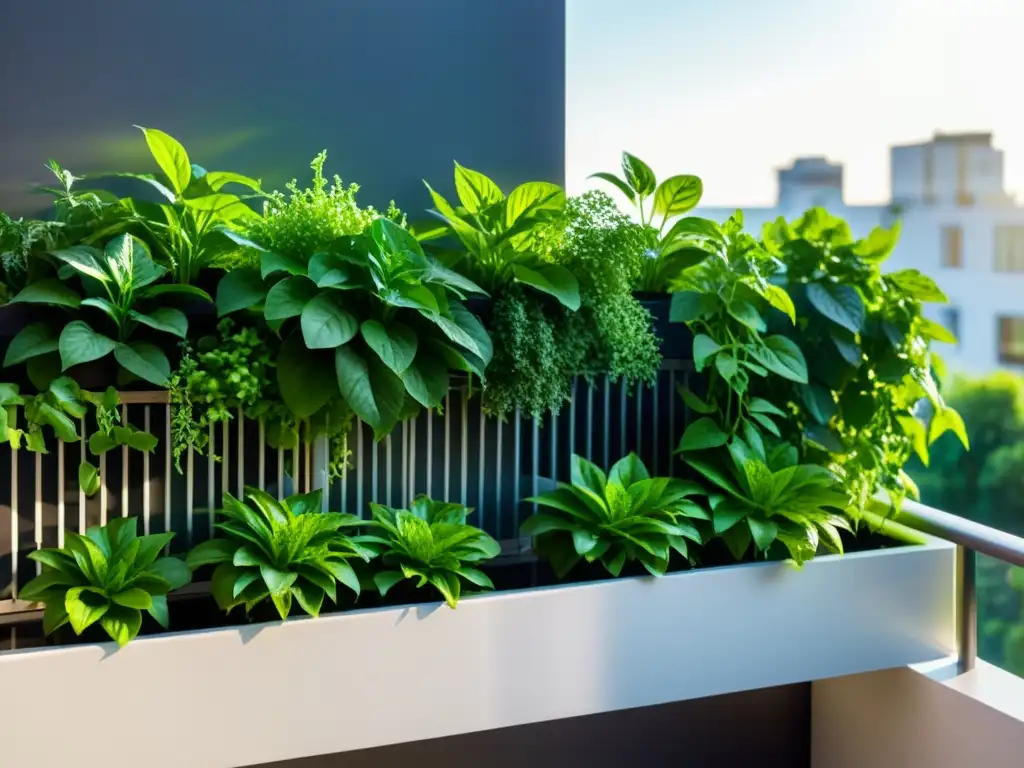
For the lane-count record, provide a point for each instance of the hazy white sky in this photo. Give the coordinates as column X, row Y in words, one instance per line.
column 732, row 89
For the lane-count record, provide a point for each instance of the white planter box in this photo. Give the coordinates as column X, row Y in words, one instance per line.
column 237, row 697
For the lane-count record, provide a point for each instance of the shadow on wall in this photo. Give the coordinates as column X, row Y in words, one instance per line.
column 393, row 89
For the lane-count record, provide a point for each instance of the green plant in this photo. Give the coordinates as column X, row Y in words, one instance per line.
column 279, row 550
column 867, row 343
column 623, row 517
column 504, row 237
column 307, row 220
column 124, row 272
column 109, row 576
column 198, row 224
column 668, row 254
column 373, row 308
column 432, row 543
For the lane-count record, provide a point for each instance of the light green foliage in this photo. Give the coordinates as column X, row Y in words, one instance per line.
column 867, row 344
column 110, row 575
column 306, row 220
column 431, row 543
column 504, row 238
column 617, row 519
column 120, row 291
column 667, row 254
column 374, row 308
column 280, row 550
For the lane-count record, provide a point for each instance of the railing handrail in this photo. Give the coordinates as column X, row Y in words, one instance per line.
column 967, row 533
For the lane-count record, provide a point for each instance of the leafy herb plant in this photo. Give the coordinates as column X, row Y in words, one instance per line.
column 670, row 252
column 623, row 517
column 432, row 544
column 110, row 575
column 279, row 550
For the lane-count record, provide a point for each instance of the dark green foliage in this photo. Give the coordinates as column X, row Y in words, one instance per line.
column 432, row 544
column 624, row 517
column 109, row 576
column 279, row 550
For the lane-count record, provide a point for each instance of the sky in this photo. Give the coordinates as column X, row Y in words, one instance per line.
column 731, row 90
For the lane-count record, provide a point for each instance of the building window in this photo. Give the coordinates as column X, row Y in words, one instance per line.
column 950, row 319
column 952, row 247
column 1011, row 339
column 1009, row 249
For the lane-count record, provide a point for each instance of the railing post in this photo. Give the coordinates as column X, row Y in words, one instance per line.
column 967, row 608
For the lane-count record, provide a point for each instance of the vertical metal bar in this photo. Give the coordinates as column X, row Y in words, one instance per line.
column 145, row 475
column 261, row 469
column 14, row 523
column 280, row 473
column 297, row 466
column 622, row 419
column 167, row 475
column 554, row 446
column 465, row 446
column 482, row 470
column 374, row 474
column 225, row 478
column 671, row 422
column 430, row 451
column 359, row 468
column 590, row 421
column 654, row 411
column 404, row 464
column 388, row 475
column 39, row 508
column 447, row 443
column 240, row 480
column 308, row 458
column 412, row 457
column 517, row 459
column 125, row 482
column 103, row 489
column 211, row 476
column 498, row 469
column 535, row 460
column 81, row 490
column 639, row 416
column 60, row 493
column 572, row 418
column 607, row 419
column 190, row 491
column 344, row 476
column 967, row 609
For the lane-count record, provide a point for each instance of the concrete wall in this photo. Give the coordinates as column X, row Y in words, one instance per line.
column 394, row 89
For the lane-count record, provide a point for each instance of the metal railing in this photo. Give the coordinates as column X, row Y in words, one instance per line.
column 971, row 539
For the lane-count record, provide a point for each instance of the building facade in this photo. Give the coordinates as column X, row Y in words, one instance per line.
column 958, row 225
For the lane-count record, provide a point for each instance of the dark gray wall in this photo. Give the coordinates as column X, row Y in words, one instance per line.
column 393, row 89
column 769, row 728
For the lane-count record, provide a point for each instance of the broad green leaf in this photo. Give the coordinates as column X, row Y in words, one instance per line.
column 211, row 552
column 534, row 197
column 583, row 540
column 552, row 279
column 100, row 443
column 122, row 624
column 271, row 262
column 325, row 325
column 917, row 285
column 372, row 390
column 915, row 430
column 677, row 194
column 133, row 598
column 782, row 356
column 475, row 190
column 727, row 365
column 693, row 402
column 385, row 580
column 426, row 380
column 932, row 330
column 945, row 420
column 726, row 515
column 703, row 348
column 541, row 523
column 85, row 606
column 767, row 423
column 819, row 402
column 172, row 570
column 694, row 226
column 343, row 572
column 166, row 319
column 31, row 341
column 840, row 303
column 309, row 596
column 301, row 377
column 476, row 577
column 81, row 344
column 277, row 581
column 395, row 343
column 150, row 547
column 760, row 405
column 62, row 426
column 217, row 179
column 638, row 174
column 105, row 306
column 239, row 289
column 627, row 471
column 145, row 360
column 474, row 241
column 47, row 291
column 288, row 298
column 622, row 186
column 54, row 617
column 84, row 259
column 688, row 306
column 170, row 156
column 701, row 434
column 178, row 288
column 473, row 336
column 779, row 299
column 747, row 314
column 158, row 610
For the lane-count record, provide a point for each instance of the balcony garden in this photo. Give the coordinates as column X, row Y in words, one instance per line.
column 809, row 384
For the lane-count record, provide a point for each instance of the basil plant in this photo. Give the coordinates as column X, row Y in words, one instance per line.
column 372, row 319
